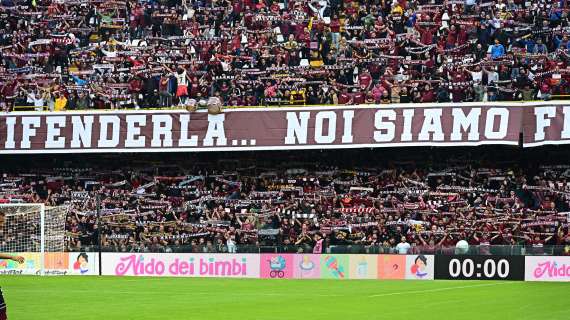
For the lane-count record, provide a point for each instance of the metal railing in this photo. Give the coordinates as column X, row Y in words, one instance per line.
column 503, row 250
column 277, row 103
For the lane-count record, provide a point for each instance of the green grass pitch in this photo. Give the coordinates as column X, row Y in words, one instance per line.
column 126, row 298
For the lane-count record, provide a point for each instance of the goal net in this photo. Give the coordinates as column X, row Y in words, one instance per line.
column 35, row 231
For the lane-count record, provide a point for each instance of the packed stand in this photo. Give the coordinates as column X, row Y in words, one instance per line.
column 301, row 210
column 75, row 54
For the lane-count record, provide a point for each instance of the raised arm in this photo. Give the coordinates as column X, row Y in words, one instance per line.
column 475, row 236
column 18, row 259
column 239, row 220
column 422, row 240
column 442, row 240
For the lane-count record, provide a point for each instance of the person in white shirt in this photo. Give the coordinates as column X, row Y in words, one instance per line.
column 445, row 20
column 492, row 76
column 231, row 243
column 476, row 75
column 183, row 80
column 182, row 89
column 37, row 99
column 319, row 8
column 403, row 247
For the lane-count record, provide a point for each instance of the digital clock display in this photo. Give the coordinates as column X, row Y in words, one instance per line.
column 479, row 267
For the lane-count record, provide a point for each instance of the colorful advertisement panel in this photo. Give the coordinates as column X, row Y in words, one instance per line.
column 307, row 266
column 334, row 266
column 299, row 266
column 391, row 266
column 55, row 263
column 181, row 265
column 544, row 268
column 276, row 266
column 363, row 266
column 31, row 265
column 419, row 267
column 84, row 263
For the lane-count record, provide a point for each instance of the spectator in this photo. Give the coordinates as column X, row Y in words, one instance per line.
column 219, row 212
column 60, row 102
column 497, row 50
column 121, row 55
column 403, row 247
column 83, row 101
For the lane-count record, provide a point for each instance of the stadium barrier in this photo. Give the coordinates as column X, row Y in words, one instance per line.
column 279, row 266
column 181, row 264
column 500, row 250
column 298, row 266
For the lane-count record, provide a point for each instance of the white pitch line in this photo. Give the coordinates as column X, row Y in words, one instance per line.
column 276, row 294
column 188, row 292
column 439, row 289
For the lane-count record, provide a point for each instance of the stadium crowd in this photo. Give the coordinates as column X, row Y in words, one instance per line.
column 302, row 210
column 79, row 54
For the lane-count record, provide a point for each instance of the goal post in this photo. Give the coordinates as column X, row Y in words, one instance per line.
column 35, row 231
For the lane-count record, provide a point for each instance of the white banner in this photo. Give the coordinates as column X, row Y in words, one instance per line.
column 181, row 265
column 547, row 268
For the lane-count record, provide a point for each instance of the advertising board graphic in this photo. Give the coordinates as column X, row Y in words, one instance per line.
column 298, row 266
column 547, row 268
column 363, row 266
column 276, row 266
column 419, row 267
column 83, row 263
column 55, row 263
column 334, row 266
column 391, row 266
column 307, row 266
column 31, row 265
column 182, row 265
